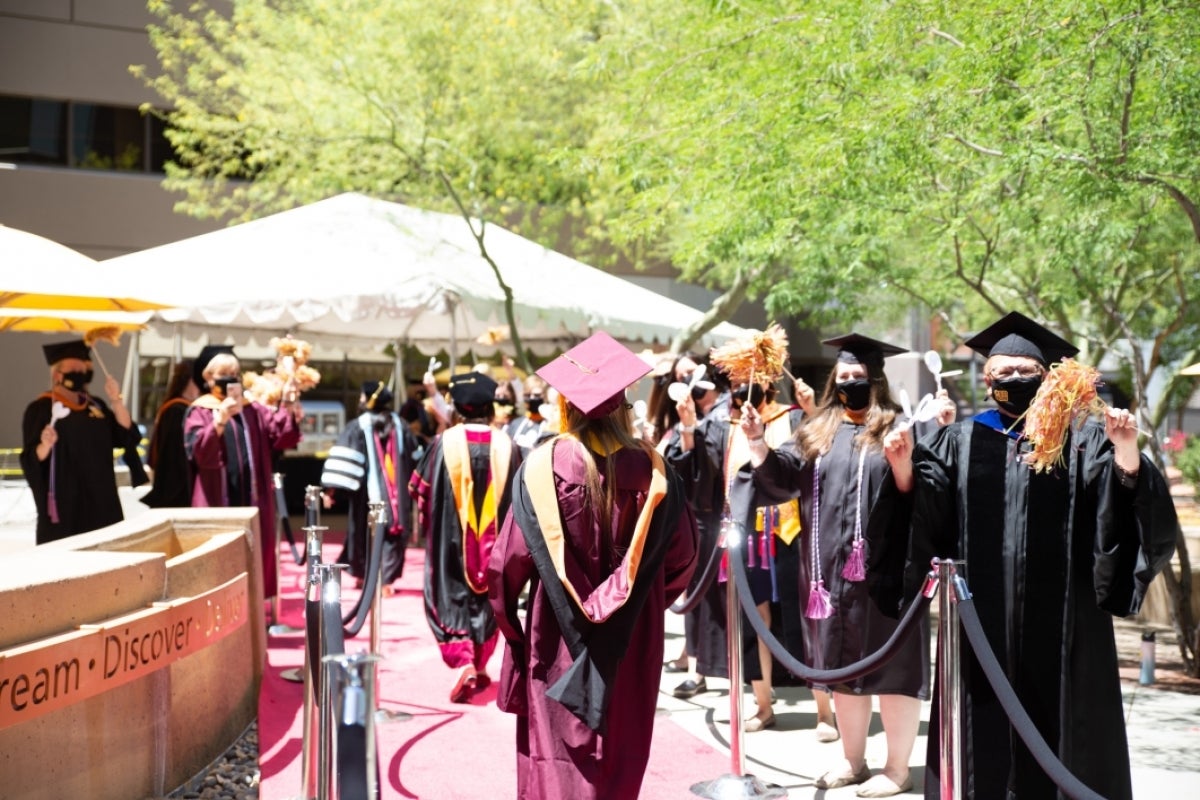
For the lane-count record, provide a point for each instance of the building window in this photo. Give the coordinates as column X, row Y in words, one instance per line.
column 33, row 131
column 82, row 135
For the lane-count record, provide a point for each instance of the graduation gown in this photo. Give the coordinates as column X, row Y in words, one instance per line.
column 234, row 468
column 701, row 469
column 1049, row 559
column 463, row 488
column 558, row 754
column 168, row 458
column 858, row 626
column 79, row 469
column 358, row 464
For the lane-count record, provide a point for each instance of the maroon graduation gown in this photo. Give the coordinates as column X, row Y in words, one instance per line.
column 558, row 755
column 210, row 455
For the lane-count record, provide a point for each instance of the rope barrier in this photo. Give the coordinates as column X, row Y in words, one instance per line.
column 828, row 677
column 1067, row 783
column 685, row 604
column 355, row 618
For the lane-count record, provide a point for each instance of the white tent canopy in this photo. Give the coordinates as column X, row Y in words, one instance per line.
column 357, row 273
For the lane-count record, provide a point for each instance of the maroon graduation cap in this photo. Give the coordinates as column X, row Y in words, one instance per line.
column 593, row 374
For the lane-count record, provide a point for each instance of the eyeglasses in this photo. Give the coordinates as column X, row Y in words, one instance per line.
column 1006, row 373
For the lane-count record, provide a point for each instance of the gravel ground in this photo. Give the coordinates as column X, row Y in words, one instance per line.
column 233, row 776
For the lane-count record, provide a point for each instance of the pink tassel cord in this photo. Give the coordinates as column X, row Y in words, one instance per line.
column 856, row 566
column 819, row 604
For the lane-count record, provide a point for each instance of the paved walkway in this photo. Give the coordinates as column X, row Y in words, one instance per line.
column 1163, row 727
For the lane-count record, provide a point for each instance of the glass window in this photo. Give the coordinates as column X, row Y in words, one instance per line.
column 104, row 137
column 33, row 131
column 160, row 148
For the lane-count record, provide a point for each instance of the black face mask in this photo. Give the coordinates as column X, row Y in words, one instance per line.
column 223, row 384
column 76, row 381
column 854, row 395
column 1015, row 394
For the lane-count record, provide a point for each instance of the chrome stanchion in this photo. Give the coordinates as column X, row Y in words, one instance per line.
column 354, row 699
column 382, row 715
column 276, row 628
column 314, row 536
column 738, row 785
column 331, row 597
column 949, row 679
column 308, row 760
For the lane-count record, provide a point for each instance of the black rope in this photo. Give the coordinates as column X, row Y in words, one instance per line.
column 374, row 566
column 825, row 677
column 685, row 604
column 312, row 642
column 282, row 510
column 1054, row 768
column 352, row 761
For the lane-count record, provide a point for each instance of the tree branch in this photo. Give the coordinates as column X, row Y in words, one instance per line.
column 978, row 148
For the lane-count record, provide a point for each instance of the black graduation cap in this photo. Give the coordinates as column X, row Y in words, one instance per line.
column 207, row 354
column 1017, row 335
column 472, row 390
column 854, row 348
column 76, row 348
column 377, row 394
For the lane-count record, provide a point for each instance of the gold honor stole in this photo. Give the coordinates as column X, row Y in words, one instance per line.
column 776, row 430
column 479, row 526
column 612, row 593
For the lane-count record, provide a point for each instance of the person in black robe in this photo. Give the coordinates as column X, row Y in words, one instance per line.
column 850, row 465
column 68, row 440
column 695, row 448
column 463, row 488
column 373, row 461
column 168, row 458
column 1049, row 557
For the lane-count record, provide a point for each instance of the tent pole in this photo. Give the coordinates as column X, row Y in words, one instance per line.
column 133, row 374
column 399, row 382
column 453, row 339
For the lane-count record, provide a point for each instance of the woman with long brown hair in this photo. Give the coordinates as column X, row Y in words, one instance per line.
column 601, row 534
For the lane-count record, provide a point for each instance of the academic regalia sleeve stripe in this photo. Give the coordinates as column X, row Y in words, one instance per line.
column 332, row 480
column 344, row 467
column 341, row 452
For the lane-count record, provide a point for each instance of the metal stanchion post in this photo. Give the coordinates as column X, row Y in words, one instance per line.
column 354, row 699
column 949, row 672
column 308, row 755
column 314, row 536
column 381, row 714
column 738, row 785
column 331, row 594
column 276, row 628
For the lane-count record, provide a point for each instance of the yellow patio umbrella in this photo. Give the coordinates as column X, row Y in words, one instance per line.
column 40, row 274
column 58, row 321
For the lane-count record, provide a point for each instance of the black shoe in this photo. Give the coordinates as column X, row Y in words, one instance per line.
column 690, row 688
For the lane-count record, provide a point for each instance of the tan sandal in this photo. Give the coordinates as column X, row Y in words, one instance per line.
column 830, row 780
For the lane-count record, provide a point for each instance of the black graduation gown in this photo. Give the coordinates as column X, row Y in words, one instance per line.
column 701, row 468
column 85, row 485
column 356, row 549
column 168, row 458
column 1049, row 558
column 859, row 625
column 455, row 611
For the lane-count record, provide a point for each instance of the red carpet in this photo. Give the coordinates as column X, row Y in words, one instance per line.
column 446, row 751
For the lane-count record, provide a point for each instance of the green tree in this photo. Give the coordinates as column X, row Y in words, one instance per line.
column 447, row 105
column 974, row 158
